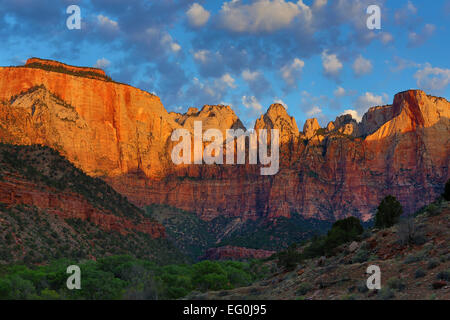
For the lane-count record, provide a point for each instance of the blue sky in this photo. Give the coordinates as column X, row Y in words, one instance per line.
column 317, row 57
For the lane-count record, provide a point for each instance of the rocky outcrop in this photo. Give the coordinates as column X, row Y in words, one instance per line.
column 310, row 127
column 122, row 129
column 235, row 253
column 374, row 118
column 122, row 134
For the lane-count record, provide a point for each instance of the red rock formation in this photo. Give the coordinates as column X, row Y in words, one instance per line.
column 15, row 190
column 97, row 73
column 235, row 253
column 310, row 127
column 122, row 134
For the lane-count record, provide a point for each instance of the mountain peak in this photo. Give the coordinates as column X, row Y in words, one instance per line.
column 277, row 117
column 310, row 127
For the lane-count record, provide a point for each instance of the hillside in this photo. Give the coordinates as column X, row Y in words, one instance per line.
column 122, row 135
column 50, row 209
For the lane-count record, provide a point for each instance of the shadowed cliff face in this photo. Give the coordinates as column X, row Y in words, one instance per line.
column 122, row 134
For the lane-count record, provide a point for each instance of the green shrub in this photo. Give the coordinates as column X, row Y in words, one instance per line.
column 362, row 287
column 444, row 275
column 289, row 258
column 386, row 294
column 419, row 273
column 388, row 212
column 415, row 257
column 343, row 231
column 433, row 210
column 433, row 263
column 361, row 256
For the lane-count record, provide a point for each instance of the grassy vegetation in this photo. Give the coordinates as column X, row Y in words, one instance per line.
column 61, row 69
column 276, row 235
column 31, row 235
column 189, row 233
column 342, row 231
column 125, row 277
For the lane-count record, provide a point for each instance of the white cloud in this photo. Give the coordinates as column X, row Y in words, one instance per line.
column 107, row 23
column 197, row 15
column 417, row 39
column 404, row 14
column 251, row 103
column 314, row 111
column 355, row 115
column 331, row 64
column 167, row 40
column 370, row 100
column 319, row 3
column 362, row 66
column 228, row 80
column 386, row 37
column 262, row 15
column 292, row 71
column 340, row 92
column 432, row 78
column 248, row 75
column 102, row 63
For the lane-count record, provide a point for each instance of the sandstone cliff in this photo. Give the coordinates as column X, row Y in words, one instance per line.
column 122, row 134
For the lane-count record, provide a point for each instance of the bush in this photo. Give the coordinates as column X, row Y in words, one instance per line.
column 343, row 231
column 303, row 289
column 414, row 257
column 388, row 212
column 361, row 256
column 419, row 273
column 433, row 263
column 289, row 258
column 433, row 210
column 406, row 231
column 362, row 287
column 444, row 275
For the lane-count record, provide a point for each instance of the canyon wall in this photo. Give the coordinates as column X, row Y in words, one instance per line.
column 122, row 134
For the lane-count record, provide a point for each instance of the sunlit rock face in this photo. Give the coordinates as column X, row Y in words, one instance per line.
column 122, row 134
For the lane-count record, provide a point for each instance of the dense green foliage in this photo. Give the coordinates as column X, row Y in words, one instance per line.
column 188, row 232
column 124, row 277
column 342, row 231
column 193, row 235
column 61, row 69
column 388, row 212
column 31, row 235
